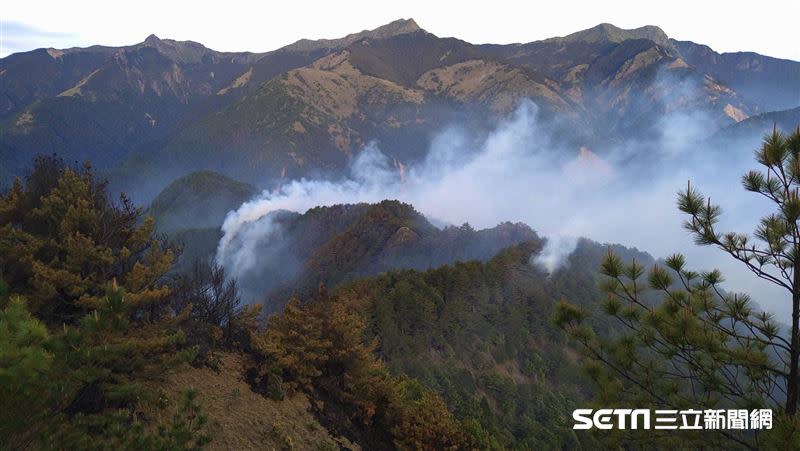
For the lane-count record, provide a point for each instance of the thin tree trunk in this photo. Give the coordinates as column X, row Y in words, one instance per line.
column 794, row 352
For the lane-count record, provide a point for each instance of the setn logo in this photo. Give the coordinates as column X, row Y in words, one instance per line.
column 672, row 419
column 611, row 418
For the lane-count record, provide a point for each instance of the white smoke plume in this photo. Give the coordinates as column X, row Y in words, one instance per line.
column 521, row 172
column 555, row 253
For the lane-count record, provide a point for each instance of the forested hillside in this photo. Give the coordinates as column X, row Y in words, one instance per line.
column 218, row 250
column 464, row 355
column 330, row 245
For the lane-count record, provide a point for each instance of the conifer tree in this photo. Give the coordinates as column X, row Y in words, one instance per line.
column 773, row 253
column 62, row 239
column 25, row 369
column 685, row 342
column 85, row 323
column 319, row 347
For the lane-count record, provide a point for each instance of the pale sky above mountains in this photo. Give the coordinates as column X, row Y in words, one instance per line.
column 767, row 26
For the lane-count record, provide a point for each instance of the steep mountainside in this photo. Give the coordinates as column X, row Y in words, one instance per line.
column 749, row 131
column 603, row 85
column 397, row 27
column 626, row 79
column 103, row 103
column 241, row 419
column 397, row 90
column 771, row 83
column 459, row 353
column 161, row 109
column 606, row 32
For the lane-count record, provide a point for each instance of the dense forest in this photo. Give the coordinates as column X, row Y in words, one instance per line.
column 96, row 316
column 108, row 341
column 266, row 282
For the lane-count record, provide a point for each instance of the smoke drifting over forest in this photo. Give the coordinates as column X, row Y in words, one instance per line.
column 521, row 171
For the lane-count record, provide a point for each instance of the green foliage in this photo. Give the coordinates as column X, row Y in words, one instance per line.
column 62, row 239
column 774, row 254
column 25, row 365
column 185, row 429
column 294, row 344
column 698, row 345
column 3, row 287
column 341, row 243
column 201, row 199
column 76, row 356
column 479, row 335
column 320, row 348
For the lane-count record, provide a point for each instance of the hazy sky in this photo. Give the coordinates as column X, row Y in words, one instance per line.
column 765, row 26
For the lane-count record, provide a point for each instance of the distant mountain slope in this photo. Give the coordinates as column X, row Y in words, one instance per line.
column 103, row 103
column 395, row 28
column 604, row 84
column 198, row 200
column 161, row 108
column 751, row 130
column 771, row 83
column 625, row 80
column 606, row 32
column 31, row 76
column 397, row 90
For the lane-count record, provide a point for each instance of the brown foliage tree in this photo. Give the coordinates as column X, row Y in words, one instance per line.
column 62, row 239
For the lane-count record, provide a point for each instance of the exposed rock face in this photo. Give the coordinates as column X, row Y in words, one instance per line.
column 735, row 113
column 404, row 237
column 308, row 108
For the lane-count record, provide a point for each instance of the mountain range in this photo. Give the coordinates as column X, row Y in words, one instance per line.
column 316, row 318
column 160, row 109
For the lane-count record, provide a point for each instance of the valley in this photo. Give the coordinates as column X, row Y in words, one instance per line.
column 395, row 240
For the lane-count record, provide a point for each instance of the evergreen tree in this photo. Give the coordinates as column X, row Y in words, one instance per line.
column 699, row 346
column 25, row 368
column 95, row 327
column 774, row 254
column 320, row 348
column 62, row 239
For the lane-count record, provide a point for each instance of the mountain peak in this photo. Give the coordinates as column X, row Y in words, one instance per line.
column 152, row 40
column 606, row 32
column 182, row 51
column 394, row 28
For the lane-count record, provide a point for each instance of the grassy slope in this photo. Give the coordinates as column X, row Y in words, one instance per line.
column 241, row 419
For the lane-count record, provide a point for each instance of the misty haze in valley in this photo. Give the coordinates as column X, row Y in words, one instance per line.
column 394, row 240
column 522, row 172
column 589, row 135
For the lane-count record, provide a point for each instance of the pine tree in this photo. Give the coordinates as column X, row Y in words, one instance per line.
column 25, row 372
column 62, row 239
column 320, row 348
column 95, row 327
column 683, row 341
column 774, row 254
column 294, row 344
